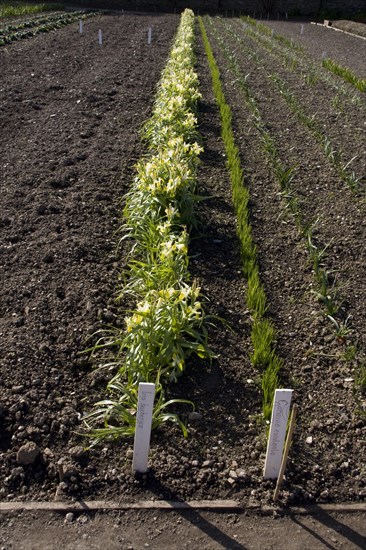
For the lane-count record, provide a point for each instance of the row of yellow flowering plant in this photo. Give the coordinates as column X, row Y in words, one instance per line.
column 168, row 322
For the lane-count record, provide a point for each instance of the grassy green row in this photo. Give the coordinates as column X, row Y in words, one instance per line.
column 345, row 73
column 326, row 292
column 19, row 8
column 167, row 325
column 263, row 334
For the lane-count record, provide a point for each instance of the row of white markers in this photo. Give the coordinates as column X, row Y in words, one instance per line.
column 276, row 440
column 100, row 34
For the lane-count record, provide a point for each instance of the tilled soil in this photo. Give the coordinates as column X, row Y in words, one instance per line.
column 316, row 361
column 317, row 40
column 71, row 114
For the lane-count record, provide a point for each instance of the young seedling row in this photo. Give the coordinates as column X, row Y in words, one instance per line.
column 311, row 205
column 332, row 128
column 284, row 175
column 294, row 58
column 331, row 287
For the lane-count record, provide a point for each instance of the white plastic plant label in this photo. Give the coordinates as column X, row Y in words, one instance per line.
column 277, row 433
column 143, row 426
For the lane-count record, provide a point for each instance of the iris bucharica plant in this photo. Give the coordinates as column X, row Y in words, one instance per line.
column 263, row 333
column 168, row 323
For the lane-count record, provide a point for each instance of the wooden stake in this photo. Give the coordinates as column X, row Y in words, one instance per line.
column 60, row 470
column 285, row 452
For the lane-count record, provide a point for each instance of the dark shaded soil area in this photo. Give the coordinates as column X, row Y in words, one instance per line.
column 70, row 118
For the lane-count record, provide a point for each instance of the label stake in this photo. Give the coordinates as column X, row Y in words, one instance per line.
column 143, row 426
column 100, row 37
column 285, row 452
column 81, row 26
column 149, row 35
column 277, row 433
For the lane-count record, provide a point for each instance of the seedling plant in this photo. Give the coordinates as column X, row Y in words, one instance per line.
column 326, row 289
column 263, row 333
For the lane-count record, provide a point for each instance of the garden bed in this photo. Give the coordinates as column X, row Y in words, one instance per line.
column 71, row 119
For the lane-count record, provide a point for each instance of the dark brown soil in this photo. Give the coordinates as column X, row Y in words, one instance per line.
column 71, row 113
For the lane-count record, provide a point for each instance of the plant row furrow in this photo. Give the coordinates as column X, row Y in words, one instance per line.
column 334, row 155
column 263, row 333
column 293, row 57
column 326, row 291
column 39, row 25
column 330, row 271
column 167, row 324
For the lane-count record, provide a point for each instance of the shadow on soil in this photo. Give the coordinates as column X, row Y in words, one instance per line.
column 324, row 518
column 195, row 518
